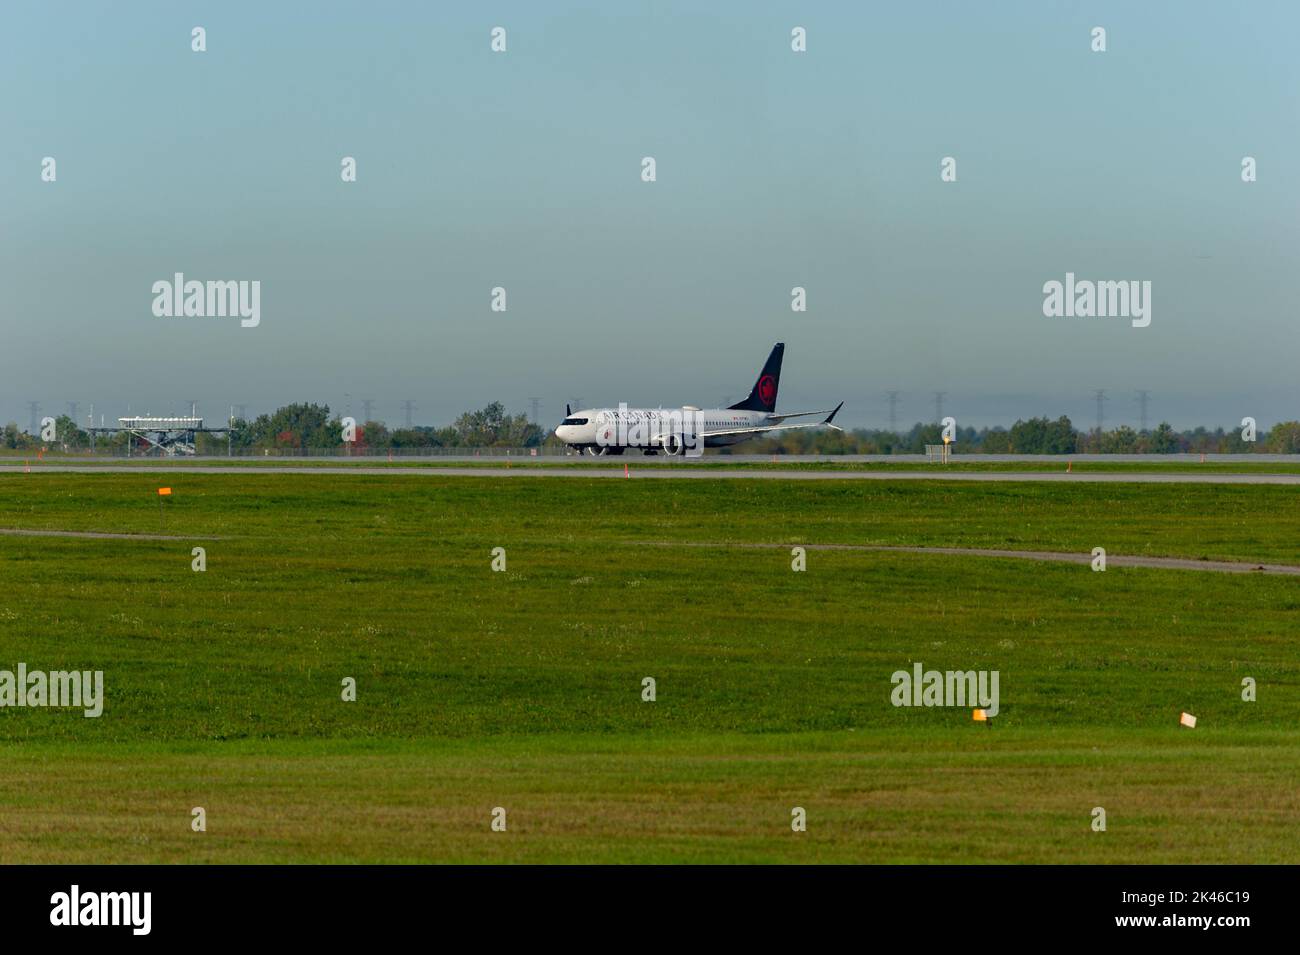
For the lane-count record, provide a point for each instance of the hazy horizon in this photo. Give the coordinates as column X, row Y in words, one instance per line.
column 775, row 169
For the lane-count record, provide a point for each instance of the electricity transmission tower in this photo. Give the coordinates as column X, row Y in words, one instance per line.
column 1101, row 399
column 938, row 405
column 408, row 406
column 893, row 411
column 1144, row 397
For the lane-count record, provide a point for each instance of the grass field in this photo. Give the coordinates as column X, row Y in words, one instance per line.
column 522, row 689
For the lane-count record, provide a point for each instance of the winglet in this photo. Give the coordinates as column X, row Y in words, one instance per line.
column 830, row 417
column 567, row 411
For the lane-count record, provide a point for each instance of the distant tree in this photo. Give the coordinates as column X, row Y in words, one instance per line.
column 1284, row 438
column 1061, row 438
column 297, row 426
column 18, row 439
column 68, row 436
column 206, row 443
column 492, row 427
column 996, row 441
column 1122, row 440
column 1027, row 437
column 1231, row 442
column 1041, row 436
column 923, row 434
column 420, row 437
column 1163, row 440
column 1201, row 439
column 241, row 433
column 373, row 434
column 882, row 442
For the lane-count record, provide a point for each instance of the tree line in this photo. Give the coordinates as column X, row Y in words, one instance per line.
column 304, row 426
column 1036, row 436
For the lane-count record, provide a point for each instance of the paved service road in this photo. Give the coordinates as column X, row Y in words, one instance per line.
column 683, row 473
column 1112, row 560
column 98, row 535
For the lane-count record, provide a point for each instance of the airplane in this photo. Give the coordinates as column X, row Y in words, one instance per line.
column 602, row 431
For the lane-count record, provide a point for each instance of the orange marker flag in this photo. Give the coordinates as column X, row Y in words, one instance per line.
column 979, row 716
column 164, row 491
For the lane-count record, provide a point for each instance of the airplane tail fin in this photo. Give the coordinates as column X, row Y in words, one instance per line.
column 763, row 395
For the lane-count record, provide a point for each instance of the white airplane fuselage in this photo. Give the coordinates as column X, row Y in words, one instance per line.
column 613, row 430
column 688, row 430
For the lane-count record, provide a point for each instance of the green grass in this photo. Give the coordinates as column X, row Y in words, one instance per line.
column 522, row 689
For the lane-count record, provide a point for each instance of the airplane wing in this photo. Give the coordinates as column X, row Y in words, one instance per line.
column 796, row 414
column 767, row 429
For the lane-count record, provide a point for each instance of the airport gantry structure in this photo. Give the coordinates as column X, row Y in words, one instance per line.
column 164, row 437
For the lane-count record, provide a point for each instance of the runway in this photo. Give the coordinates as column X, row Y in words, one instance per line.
column 680, row 473
column 1113, row 560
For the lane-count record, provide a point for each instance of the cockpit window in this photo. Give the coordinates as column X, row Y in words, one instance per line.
column 574, row 421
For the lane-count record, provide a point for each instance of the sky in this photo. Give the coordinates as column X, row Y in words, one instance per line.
column 775, row 169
